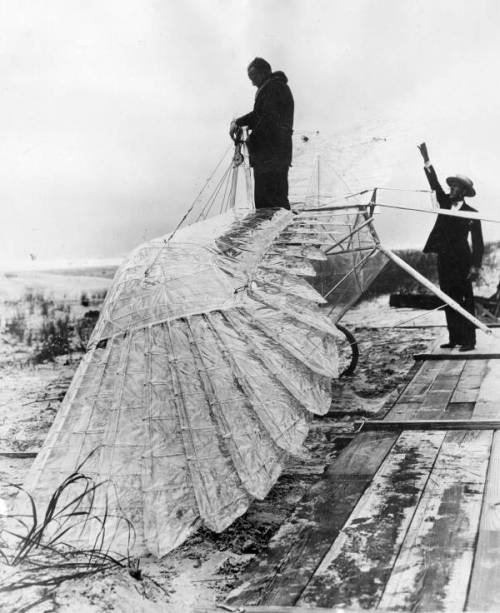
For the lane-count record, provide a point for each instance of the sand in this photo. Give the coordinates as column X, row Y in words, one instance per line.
column 207, row 567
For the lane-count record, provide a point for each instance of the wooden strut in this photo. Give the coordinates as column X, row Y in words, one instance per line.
column 445, row 212
column 433, row 288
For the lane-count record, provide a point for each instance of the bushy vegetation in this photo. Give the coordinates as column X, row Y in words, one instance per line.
column 16, row 326
column 49, row 328
column 94, row 299
column 490, row 255
column 55, row 338
column 393, row 279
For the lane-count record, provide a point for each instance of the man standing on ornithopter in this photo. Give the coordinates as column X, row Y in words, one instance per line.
column 458, row 261
column 270, row 141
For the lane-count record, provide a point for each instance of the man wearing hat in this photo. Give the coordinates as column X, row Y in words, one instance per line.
column 458, row 261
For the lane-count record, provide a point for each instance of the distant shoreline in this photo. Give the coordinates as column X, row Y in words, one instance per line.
column 84, row 271
column 107, row 272
column 105, row 268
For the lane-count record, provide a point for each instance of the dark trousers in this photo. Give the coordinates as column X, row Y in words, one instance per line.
column 453, row 281
column 271, row 189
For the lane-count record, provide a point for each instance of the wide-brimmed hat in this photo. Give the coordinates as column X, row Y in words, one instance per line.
column 465, row 182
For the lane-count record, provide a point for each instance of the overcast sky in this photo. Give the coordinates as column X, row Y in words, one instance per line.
column 113, row 113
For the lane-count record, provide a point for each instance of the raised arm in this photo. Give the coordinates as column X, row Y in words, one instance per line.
column 431, row 175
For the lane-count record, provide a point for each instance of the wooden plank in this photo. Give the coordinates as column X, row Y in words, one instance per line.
column 445, row 382
column 475, row 367
column 433, row 390
column 416, row 391
column 442, row 390
column 488, row 399
column 453, row 367
column 431, row 424
column 402, row 411
column 357, row 566
column 470, row 381
column 362, row 457
column 461, row 411
column 220, row 608
column 280, row 576
column 417, row 388
column 432, row 570
column 431, row 415
column 484, row 591
column 436, row 401
column 457, row 356
column 467, row 394
column 431, row 367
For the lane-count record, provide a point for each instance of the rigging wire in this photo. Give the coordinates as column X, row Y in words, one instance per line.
column 185, row 216
column 402, row 189
column 227, row 193
column 425, row 314
column 199, row 194
column 207, row 207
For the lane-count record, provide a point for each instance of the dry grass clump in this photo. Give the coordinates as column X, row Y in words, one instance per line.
column 16, row 326
column 34, row 553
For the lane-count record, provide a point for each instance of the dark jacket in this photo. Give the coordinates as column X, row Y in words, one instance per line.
column 449, row 236
column 271, row 125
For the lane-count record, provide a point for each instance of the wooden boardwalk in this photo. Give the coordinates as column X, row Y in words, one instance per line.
column 408, row 516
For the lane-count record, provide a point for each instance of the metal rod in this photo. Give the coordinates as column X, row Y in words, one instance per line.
column 433, row 288
column 353, row 250
column 352, row 271
column 447, row 212
column 354, row 231
column 324, row 209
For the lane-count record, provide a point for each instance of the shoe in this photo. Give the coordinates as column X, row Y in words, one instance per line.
column 467, row 347
column 448, row 346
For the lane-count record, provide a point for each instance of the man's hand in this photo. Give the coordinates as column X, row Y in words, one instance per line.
column 234, row 130
column 423, row 150
column 474, row 273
